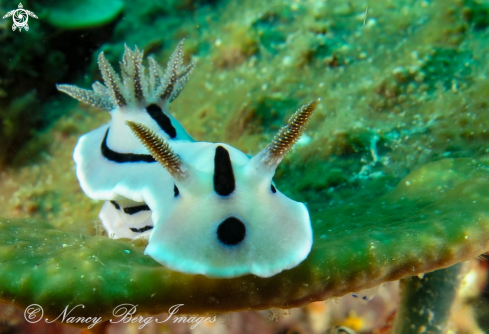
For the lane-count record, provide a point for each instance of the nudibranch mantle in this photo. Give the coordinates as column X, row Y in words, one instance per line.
column 207, row 208
column 269, row 242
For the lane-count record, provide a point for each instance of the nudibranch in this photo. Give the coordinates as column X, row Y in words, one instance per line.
column 207, row 208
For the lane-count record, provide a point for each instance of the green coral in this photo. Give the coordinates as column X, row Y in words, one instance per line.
column 83, row 14
column 436, row 217
column 426, row 302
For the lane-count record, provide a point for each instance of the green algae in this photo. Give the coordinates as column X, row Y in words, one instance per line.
column 436, row 217
column 476, row 13
column 446, row 65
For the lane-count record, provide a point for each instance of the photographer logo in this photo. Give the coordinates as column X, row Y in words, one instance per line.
column 20, row 17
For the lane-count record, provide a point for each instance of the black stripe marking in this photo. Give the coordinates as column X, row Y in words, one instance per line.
column 274, row 190
column 224, row 183
column 116, row 205
column 163, row 121
column 135, row 209
column 142, row 229
column 123, row 157
column 176, row 192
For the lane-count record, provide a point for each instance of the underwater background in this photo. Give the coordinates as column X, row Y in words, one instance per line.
column 396, row 154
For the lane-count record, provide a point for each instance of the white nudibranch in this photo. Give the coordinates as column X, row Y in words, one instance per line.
column 207, row 208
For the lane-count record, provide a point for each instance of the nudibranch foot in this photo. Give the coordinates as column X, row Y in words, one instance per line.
column 129, row 220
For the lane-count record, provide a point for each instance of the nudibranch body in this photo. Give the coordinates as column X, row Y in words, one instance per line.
column 111, row 153
column 207, row 208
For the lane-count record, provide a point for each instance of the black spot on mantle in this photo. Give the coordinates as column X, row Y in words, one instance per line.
column 231, row 231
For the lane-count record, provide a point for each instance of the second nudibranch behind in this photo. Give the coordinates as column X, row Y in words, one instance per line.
column 207, row 208
column 110, row 161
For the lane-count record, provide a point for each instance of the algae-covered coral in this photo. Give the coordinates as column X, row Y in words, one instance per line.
column 403, row 85
column 356, row 247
